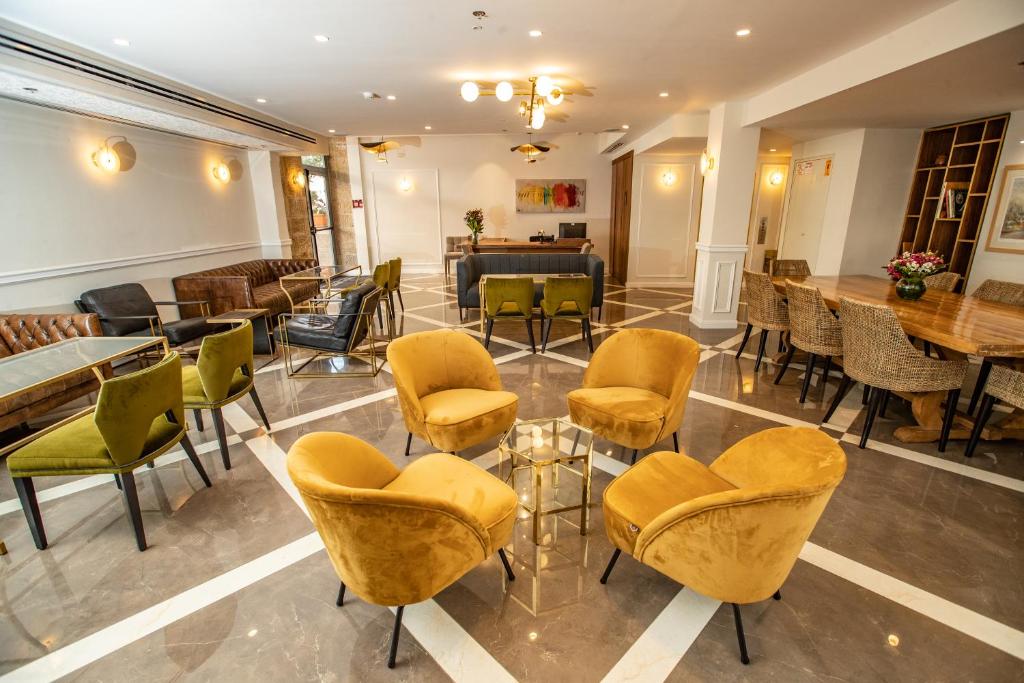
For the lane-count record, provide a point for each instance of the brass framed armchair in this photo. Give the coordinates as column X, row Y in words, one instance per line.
column 137, row 418
column 398, row 537
column 731, row 531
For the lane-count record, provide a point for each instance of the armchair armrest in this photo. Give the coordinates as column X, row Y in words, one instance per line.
column 203, row 304
column 156, row 330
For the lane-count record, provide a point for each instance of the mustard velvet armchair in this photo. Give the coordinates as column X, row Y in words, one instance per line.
column 398, row 537
column 449, row 390
column 222, row 375
column 635, row 388
column 137, row 417
column 731, row 531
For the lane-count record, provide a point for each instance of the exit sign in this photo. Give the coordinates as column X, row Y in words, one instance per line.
column 357, row 203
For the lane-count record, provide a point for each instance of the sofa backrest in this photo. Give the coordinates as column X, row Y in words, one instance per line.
column 26, row 331
column 530, row 263
column 123, row 309
column 257, row 271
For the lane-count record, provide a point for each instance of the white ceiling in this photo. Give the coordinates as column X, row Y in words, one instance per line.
column 624, row 52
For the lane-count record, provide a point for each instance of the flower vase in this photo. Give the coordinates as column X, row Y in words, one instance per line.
column 910, row 288
column 476, row 238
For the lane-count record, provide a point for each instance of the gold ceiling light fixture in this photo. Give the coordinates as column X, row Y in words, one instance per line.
column 532, row 150
column 380, row 148
column 542, row 92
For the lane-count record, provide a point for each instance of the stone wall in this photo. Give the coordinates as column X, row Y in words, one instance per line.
column 296, row 208
column 341, row 203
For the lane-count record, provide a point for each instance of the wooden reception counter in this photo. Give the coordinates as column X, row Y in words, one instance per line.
column 491, row 245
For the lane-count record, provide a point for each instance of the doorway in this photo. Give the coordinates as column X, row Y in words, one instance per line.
column 318, row 200
column 622, row 201
column 804, row 214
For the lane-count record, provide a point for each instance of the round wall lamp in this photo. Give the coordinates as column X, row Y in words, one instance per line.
column 221, row 172
column 775, row 178
column 116, row 156
column 404, row 184
column 299, row 178
column 707, row 162
column 669, row 178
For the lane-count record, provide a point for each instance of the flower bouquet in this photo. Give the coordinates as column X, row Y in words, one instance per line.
column 909, row 270
column 475, row 222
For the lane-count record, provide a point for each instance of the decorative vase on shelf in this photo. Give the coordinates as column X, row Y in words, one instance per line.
column 910, row 288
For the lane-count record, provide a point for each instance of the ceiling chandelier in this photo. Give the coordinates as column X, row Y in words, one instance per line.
column 542, row 92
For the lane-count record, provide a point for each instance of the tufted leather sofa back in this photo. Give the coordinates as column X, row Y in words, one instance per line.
column 26, row 331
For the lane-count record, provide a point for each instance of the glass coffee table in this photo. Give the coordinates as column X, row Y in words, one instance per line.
column 555, row 443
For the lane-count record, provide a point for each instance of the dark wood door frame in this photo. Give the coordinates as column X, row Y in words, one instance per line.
column 622, row 200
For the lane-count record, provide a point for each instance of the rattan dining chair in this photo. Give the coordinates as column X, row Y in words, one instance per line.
column 1004, row 384
column 766, row 309
column 796, row 267
column 942, row 282
column 812, row 328
column 1003, row 292
column 877, row 352
column 452, row 252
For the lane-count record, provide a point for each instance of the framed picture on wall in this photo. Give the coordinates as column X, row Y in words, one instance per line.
column 551, row 196
column 1007, row 231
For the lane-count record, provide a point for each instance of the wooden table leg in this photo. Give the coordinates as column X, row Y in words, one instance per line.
column 1011, row 427
column 927, row 409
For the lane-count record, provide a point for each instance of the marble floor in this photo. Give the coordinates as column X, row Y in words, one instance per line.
column 914, row 572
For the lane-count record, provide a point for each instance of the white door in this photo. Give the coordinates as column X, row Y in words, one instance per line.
column 804, row 214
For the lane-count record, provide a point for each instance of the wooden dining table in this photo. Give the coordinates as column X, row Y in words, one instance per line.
column 954, row 324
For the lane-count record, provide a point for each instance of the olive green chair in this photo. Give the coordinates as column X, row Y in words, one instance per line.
column 222, row 375
column 382, row 278
column 395, row 282
column 508, row 298
column 137, row 418
column 566, row 298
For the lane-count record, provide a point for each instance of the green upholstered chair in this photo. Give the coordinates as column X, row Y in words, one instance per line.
column 222, row 375
column 382, row 278
column 137, row 417
column 566, row 298
column 508, row 298
column 395, row 282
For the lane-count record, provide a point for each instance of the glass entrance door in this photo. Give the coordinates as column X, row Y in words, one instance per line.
column 318, row 197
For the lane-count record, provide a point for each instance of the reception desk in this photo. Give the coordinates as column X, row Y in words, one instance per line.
column 568, row 245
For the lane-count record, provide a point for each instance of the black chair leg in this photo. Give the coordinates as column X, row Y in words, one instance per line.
column 739, row 633
column 589, row 334
column 340, row 602
column 545, row 333
column 807, row 376
column 777, row 595
column 875, row 399
column 529, row 333
column 198, row 414
column 782, row 339
column 394, row 637
column 885, row 404
column 760, row 350
column 117, row 482
column 259, row 407
column 785, row 363
column 222, row 439
column 746, row 336
column 27, row 495
column 927, row 348
column 952, row 398
column 186, row 445
column 505, row 562
column 380, row 317
column 844, row 386
column 408, row 443
column 487, row 336
column 675, row 441
column 984, row 413
column 866, row 395
column 979, row 388
column 131, row 501
column 632, row 460
column 400, row 302
column 611, row 565
column 825, row 373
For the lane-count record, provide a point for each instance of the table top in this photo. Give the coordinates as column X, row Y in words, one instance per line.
column 532, row 440
column 25, row 371
column 324, row 273
column 954, row 321
column 238, row 315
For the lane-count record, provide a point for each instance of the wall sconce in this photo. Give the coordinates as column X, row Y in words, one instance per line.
column 404, row 184
column 775, row 178
column 221, row 172
column 112, row 158
column 669, row 178
column 707, row 162
column 299, row 178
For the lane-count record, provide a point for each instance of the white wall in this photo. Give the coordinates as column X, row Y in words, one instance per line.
column 768, row 200
column 664, row 220
column 66, row 226
column 990, row 264
column 479, row 171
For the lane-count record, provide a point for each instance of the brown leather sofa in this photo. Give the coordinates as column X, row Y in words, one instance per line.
column 21, row 332
column 251, row 284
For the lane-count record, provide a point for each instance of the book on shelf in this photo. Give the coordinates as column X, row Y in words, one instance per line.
column 952, row 200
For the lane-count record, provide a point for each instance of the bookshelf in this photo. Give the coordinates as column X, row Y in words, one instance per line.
column 963, row 153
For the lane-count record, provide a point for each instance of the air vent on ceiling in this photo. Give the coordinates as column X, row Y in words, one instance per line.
column 614, row 147
column 45, row 54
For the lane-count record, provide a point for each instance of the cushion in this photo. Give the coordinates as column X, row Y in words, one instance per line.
column 481, row 494
column 657, row 483
column 192, row 387
column 457, row 418
column 78, row 448
column 313, row 331
column 629, row 416
column 129, row 299
column 181, row 331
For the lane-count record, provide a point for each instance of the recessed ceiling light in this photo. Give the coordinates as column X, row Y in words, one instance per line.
column 123, row 42
column 428, row 128
column 320, row 38
column 743, row 32
column 663, row 94
column 772, row 149
column 261, row 100
column 1022, row 142
column 625, row 126
column 392, row 98
column 330, row 130
column 535, row 33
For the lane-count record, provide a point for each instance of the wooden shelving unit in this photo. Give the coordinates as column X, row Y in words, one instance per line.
column 958, row 153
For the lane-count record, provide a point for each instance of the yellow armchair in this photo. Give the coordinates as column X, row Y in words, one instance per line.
column 731, row 531
column 635, row 388
column 449, row 390
column 397, row 537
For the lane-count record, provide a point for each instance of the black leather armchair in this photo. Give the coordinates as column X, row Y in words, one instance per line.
column 128, row 311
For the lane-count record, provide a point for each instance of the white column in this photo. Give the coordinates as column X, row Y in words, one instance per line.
column 359, row 223
column 265, row 174
column 725, row 215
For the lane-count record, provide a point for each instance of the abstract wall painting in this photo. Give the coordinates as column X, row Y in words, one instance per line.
column 551, row 196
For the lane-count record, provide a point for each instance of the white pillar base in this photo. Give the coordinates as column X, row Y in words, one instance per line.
column 716, row 293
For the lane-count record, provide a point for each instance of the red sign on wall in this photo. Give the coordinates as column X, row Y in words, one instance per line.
column 357, row 203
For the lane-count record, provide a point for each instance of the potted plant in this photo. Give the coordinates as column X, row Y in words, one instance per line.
column 910, row 269
column 475, row 222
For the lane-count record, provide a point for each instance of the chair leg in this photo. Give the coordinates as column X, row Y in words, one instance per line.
column 222, row 439
column 875, row 399
column 988, row 401
column 340, row 602
column 785, row 363
column 131, row 501
column 529, row 333
column 885, row 404
column 487, row 337
column 844, row 386
column 807, row 376
column 400, row 302
column 979, row 388
column 675, row 441
column 777, row 595
column 927, row 348
column 508, row 567
column 27, row 495
column 611, row 565
column 380, row 317
column 198, row 414
column 952, row 398
column 760, row 350
column 186, row 445
column 545, row 332
column 866, row 395
column 394, row 637
column 825, row 373
column 632, row 460
column 589, row 334
column 408, row 443
column 259, row 407
column 739, row 633
column 746, row 336
column 117, row 482
column 782, row 346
